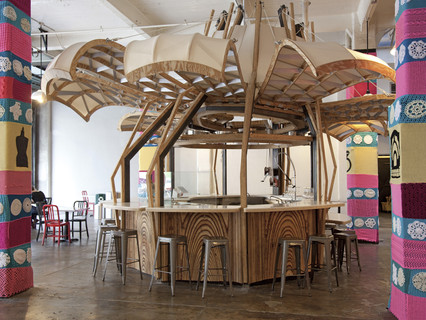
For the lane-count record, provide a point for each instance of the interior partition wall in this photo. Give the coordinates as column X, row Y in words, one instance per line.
column 16, row 274
column 407, row 130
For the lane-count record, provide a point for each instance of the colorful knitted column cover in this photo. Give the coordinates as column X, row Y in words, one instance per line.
column 362, row 181
column 16, row 274
column 407, row 131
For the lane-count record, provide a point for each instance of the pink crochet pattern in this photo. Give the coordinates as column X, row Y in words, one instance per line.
column 16, row 273
column 362, row 200
column 408, row 246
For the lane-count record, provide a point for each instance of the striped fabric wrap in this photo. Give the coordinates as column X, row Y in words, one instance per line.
column 409, row 108
column 11, row 104
column 407, row 129
column 408, row 200
column 408, row 77
column 362, row 183
column 9, row 34
column 16, row 274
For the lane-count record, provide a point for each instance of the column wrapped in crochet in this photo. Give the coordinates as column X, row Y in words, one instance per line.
column 16, row 274
column 407, row 131
column 362, row 183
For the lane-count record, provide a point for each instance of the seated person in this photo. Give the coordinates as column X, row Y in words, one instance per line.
column 37, row 196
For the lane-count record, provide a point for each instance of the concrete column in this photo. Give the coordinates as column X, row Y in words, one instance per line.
column 16, row 274
column 407, row 131
column 363, row 183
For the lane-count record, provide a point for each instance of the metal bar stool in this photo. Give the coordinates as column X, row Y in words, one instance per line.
column 172, row 241
column 123, row 261
column 100, row 245
column 223, row 244
column 283, row 247
column 344, row 240
column 330, row 249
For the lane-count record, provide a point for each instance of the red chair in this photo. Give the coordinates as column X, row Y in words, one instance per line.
column 52, row 219
column 91, row 204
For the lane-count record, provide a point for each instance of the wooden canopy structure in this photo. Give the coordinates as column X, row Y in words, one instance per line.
column 247, row 86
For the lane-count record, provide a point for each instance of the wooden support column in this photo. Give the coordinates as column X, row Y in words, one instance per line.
column 333, row 177
column 249, row 104
column 167, row 143
column 155, row 158
column 322, row 150
column 125, row 187
column 132, row 150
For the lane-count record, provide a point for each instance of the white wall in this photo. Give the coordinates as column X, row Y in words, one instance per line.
column 256, row 161
column 84, row 154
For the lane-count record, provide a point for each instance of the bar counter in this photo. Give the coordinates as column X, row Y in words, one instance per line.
column 253, row 232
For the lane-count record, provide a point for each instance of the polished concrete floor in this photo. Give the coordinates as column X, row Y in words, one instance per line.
column 65, row 289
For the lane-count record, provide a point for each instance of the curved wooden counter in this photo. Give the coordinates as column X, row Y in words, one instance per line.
column 253, row 232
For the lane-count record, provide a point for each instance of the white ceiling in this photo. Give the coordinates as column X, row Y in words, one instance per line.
column 71, row 21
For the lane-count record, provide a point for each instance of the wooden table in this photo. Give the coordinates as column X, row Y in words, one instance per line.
column 120, row 209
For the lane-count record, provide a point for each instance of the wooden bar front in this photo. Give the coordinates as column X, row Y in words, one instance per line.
column 263, row 225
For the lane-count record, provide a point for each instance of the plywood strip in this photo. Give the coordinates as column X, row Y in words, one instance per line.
column 292, row 22
column 321, row 139
column 120, row 162
column 155, row 158
column 208, row 23
column 333, row 158
column 228, row 20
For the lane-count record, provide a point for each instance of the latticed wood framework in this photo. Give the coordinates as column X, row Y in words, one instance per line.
column 89, row 76
column 305, row 72
column 182, row 81
column 367, row 113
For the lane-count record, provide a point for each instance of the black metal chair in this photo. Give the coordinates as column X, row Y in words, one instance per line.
column 39, row 207
column 81, row 209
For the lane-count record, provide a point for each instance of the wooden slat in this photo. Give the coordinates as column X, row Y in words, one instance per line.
column 333, row 158
column 228, row 20
column 292, row 22
column 285, row 22
column 322, row 149
column 208, row 23
column 132, row 136
column 155, row 158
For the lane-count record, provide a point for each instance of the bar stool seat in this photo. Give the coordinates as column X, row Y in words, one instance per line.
column 344, row 240
column 330, row 250
column 122, row 238
column 285, row 244
column 172, row 241
column 330, row 226
column 107, row 221
column 223, row 244
column 100, row 245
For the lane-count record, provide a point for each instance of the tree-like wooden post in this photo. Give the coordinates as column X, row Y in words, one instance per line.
column 249, row 105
